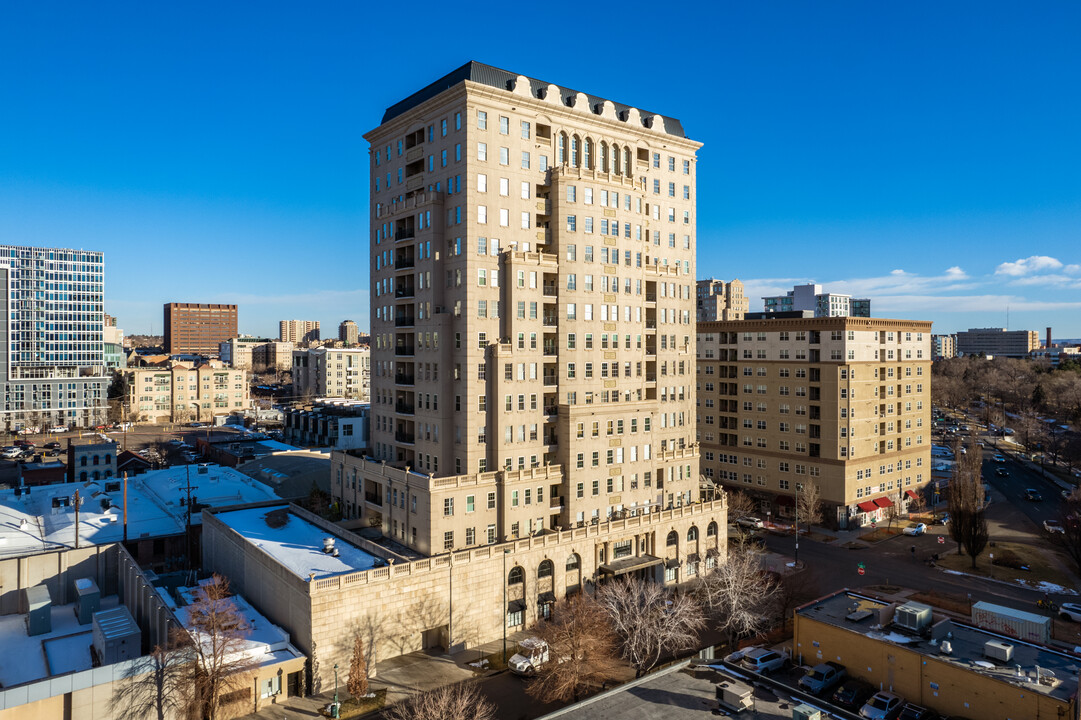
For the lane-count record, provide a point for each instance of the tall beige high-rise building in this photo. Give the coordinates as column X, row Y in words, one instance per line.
column 718, row 300
column 348, row 332
column 842, row 403
column 533, row 310
column 298, row 331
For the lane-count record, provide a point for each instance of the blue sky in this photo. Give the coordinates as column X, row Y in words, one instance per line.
column 924, row 154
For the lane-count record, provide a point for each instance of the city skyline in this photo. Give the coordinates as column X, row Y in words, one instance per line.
column 920, row 156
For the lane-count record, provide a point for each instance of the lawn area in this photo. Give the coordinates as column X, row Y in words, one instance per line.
column 1006, row 555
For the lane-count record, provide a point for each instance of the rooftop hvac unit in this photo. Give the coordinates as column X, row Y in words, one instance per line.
column 913, row 616
column 946, row 648
column 806, row 712
column 88, row 600
column 998, row 650
column 116, row 636
column 39, row 618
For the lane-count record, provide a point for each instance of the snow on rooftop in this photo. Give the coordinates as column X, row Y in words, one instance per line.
column 298, row 545
column 64, row 649
column 263, row 642
column 29, row 523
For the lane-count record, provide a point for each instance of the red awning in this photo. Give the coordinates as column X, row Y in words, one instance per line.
column 868, row 506
column 883, row 502
column 784, row 501
column 912, row 494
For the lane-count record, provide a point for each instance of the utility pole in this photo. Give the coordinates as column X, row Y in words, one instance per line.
column 187, row 519
column 795, row 557
column 125, row 506
column 76, row 519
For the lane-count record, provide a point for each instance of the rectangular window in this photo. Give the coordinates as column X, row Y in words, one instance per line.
column 482, row 120
column 482, row 151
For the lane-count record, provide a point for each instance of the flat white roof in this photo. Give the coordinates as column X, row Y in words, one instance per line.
column 30, row 524
column 298, row 545
column 64, row 649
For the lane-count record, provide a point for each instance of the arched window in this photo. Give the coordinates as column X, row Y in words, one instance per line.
column 615, row 160
column 96, row 459
column 545, row 570
column 572, row 562
column 587, row 154
column 516, row 576
column 575, row 144
column 561, row 149
column 711, row 529
column 82, row 476
column 603, row 161
column 97, row 475
column 108, row 458
column 108, row 473
column 627, row 160
column 673, row 539
column 692, row 534
column 82, row 461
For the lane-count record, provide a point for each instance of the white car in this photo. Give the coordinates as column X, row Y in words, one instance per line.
column 1053, row 526
column 750, row 522
column 1070, row 611
column 917, row 529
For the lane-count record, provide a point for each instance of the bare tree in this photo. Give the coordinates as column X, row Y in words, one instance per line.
column 218, row 631
column 154, row 684
column 358, row 670
column 740, row 505
column 965, row 499
column 450, row 702
column 809, row 507
column 738, row 594
column 649, row 621
column 582, row 650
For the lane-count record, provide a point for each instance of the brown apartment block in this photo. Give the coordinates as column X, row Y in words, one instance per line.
column 533, row 312
column 843, row 402
column 198, row 328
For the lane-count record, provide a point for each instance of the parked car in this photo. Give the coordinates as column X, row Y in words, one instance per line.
column 1002, row 472
column 1053, row 526
column 882, row 706
column 58, row 428
column 52, row 445
column 23, row 444
column 52, row 453
column 763, row 661
column 912, row 711
column 852, row 694
column 1033, row 495
column 748, row 521
column 917, row 529
column 822, row 678
column 1070, row 611
column 1000, row 459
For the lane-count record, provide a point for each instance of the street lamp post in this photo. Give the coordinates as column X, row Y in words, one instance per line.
column 336, row 712
column 795, row 557
column 505, row 553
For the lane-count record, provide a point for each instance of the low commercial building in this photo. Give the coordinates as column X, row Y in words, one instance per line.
column 328, row 423
column 75, row 624
column 277, row 556
column 148, row 514
column 952, row 667
column 91, row 460
column 184, row 392
column 997, row 342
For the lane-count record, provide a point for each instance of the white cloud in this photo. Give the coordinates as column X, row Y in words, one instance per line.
column 956, row 273
column 1027, row 266
column 1072, row 269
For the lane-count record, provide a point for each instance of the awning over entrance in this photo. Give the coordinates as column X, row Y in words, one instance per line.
column 883, row 502
column 629, row 564
column 912, row 494
column 713, row 552
column 516, row 606
column 546, row 597
column 867, row 506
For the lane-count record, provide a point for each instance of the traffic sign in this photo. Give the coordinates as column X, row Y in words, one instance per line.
column 861, row 571
column 941, row 540
column 861, row 566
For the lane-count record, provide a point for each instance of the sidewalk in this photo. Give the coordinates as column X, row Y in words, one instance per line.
column 401, row 677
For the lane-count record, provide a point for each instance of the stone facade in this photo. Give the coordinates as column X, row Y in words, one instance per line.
column 456, row 600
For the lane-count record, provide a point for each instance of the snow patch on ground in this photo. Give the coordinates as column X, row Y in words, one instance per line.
column 1049, row 587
